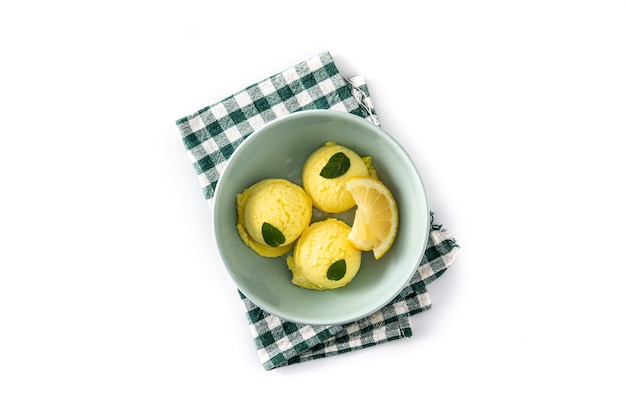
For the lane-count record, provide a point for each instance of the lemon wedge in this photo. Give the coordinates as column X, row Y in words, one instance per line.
column 375, row 223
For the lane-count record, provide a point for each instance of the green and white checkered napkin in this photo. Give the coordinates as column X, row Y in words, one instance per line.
column 212, row 134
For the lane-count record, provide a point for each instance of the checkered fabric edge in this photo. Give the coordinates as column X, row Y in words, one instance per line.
column 213, row 133
column 279, row 342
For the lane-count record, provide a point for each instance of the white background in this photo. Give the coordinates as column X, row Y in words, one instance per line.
column 112, row 297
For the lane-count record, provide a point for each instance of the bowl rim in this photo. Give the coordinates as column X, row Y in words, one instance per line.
column 352, row 118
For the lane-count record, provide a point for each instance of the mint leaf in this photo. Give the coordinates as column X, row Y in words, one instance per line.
column 337, row 270
column 272, row 236
column 337, row 165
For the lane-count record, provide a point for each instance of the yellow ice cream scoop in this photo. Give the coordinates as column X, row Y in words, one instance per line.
column 325, row 173
column 271, row 215
column 322, row 258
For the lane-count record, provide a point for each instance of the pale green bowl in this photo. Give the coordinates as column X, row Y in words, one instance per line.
column 279, row 150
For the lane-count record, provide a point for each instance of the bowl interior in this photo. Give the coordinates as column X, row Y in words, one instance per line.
column 279, row 150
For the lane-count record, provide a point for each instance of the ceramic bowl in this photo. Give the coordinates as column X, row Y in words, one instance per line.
column 279, row 150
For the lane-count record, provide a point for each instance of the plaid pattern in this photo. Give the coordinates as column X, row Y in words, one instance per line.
column 214, row 132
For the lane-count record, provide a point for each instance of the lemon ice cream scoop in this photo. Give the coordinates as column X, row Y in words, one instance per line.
column 322, row 258
column 272, row 214
column 325, row 173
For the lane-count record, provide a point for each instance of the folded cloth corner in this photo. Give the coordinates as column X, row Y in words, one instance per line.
column 211, row 135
